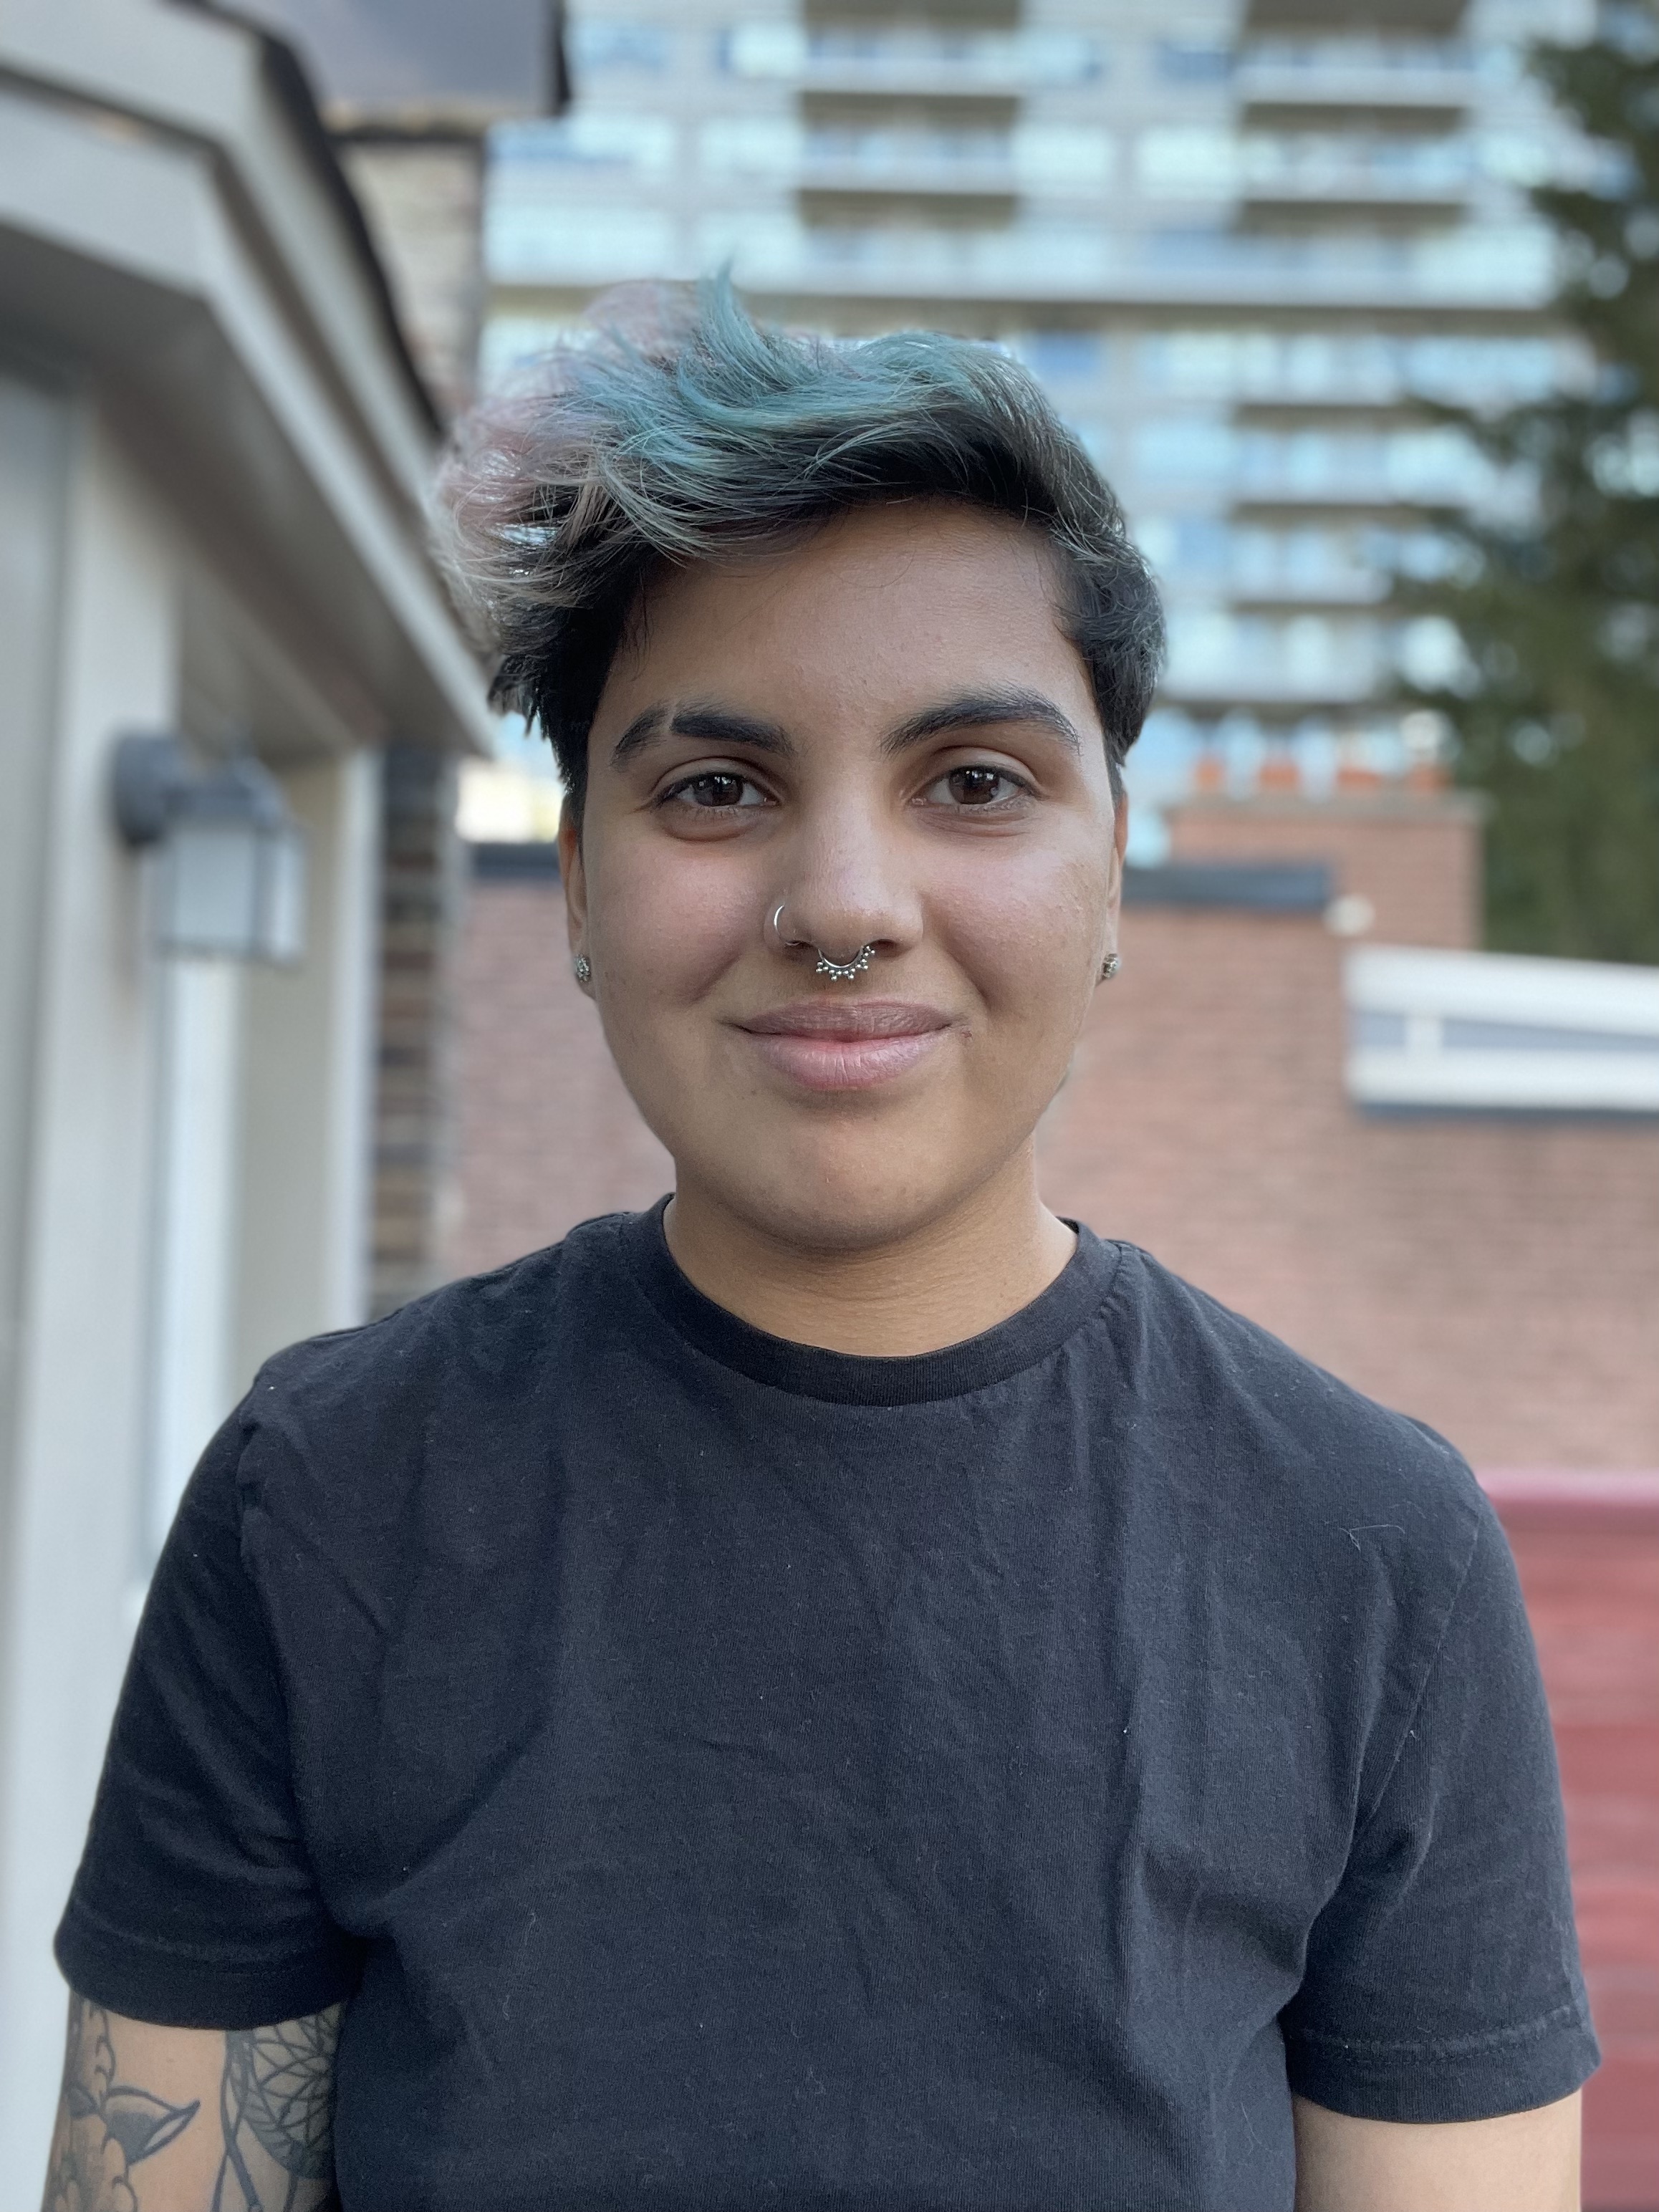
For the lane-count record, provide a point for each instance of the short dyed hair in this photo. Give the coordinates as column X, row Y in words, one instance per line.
column 676, row 429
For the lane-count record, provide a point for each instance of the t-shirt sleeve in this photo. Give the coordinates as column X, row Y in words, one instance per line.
column 1443, row 1979
column 195, row 1904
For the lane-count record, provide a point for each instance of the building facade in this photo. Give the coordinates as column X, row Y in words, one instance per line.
column 213, row 450
column 1241, row 241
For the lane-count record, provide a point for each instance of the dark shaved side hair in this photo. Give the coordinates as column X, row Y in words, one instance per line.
column 675, row 430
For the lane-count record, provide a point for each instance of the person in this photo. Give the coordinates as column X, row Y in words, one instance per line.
column 846, row 1690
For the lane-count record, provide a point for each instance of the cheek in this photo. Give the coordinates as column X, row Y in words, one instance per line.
column 1025, row 932
column 667, row 920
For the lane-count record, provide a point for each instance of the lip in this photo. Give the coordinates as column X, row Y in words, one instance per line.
column 854, row 1045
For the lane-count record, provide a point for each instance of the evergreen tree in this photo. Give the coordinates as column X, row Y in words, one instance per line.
column 1557, row 711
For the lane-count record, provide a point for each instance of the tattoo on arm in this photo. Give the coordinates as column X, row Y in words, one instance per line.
column 277, row 2088
column 276, row 2112
column 105, row 2126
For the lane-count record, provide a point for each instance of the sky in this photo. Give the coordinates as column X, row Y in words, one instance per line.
column 409, row 49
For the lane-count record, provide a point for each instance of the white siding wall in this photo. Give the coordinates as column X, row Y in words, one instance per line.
column 82, row 1400
column 307, row 1084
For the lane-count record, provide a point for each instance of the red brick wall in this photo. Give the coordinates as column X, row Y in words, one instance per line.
column 1499, row 1278
column 547, row 1137
column 1590, row 1565
column 1415, row 855
column 422, row 890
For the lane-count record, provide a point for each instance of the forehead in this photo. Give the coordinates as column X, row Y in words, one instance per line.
column 881, row 604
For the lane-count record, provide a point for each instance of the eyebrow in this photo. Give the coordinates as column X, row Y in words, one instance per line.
column 980, row 710
column 720, row 725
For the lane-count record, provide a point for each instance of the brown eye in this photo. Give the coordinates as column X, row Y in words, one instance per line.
column 716, row 791
column 976, row 787
column 719, row 788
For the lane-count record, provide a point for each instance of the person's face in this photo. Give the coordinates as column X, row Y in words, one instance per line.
column 884, row 731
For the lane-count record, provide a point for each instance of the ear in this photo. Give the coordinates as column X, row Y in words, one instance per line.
column 575, row 880
column 1114, row 871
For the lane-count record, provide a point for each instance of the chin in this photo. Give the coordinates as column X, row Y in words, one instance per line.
column 838, row 1198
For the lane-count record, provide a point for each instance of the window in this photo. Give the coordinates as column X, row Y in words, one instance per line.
column 1315, row 163
column 877, row 147
column 1096, row 440
column 1183, row 160
column 1363, row 366
column 1192, row 61
column 1062, row 155
column 595, row 46
column 1185, row 549
column 551, row 241
column 764, row 49
column 1183, row 448
column 1496, row 372
column 883, row 55
column 1214, row 651
column 750, row 145
column 1063, row 356
column 588, row 139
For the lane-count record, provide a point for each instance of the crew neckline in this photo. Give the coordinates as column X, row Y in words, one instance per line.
column 809, row 1370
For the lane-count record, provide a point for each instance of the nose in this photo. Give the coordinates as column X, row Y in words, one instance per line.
column 845, row 889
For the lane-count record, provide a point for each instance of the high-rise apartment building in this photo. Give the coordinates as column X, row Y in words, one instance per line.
column 1241, row 241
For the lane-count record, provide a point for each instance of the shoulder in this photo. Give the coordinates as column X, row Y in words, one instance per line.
column 1276, row 1431
column 443, row 1367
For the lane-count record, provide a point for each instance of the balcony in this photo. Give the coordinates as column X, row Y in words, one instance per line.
column 540, row 231
column 1348, row 468
column 884, row 60
column 1363, row 368
column 848, row 158
column 1308, row 466
column 1428, row 20
column 1335, row 171
column 1219, row 658
column 845, row 159
column 1341, row 174
column 1392, row 76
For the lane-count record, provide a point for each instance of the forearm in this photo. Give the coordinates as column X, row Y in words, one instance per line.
column 166, row 2119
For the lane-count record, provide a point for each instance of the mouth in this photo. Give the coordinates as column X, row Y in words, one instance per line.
column 821, row 1045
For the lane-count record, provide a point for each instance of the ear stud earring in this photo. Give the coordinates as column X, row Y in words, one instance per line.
column 1109, row 967
column 582, row 967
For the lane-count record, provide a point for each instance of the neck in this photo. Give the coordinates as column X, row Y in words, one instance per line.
column 945, row 1280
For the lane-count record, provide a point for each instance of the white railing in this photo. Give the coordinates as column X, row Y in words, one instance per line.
column 1432, row 464
column 1406, row 63
column 1364, row 368
column 836, row 157
column 1316, row 166
column 542, row 223
column 1188, row 160
column 888, row 60
column 1429, row 463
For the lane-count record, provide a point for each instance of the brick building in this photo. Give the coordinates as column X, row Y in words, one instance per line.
column 1434, row 1169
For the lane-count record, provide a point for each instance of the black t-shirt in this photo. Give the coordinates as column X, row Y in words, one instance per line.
column 725, row 1773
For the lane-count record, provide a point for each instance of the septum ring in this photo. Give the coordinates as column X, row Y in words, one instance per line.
column 838, row 971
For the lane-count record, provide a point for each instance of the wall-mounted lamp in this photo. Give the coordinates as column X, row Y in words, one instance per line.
column 232, row 878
